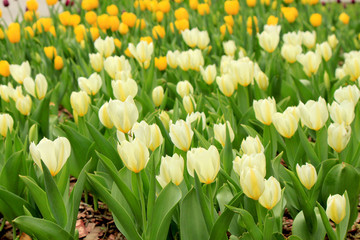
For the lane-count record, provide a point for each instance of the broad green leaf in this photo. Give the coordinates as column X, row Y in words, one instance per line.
column 300, row 227
column 310, row 152
column 9, row 177
column 330, row 232
column 202, row 141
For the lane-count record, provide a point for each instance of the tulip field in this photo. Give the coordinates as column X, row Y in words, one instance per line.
column 182, row 119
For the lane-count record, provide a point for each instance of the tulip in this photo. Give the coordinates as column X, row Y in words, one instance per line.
column 181, row 13
column 181, row 134
column 338, row 136
column 128, row 18
column 134, row 154
column 272, row 20
column 290, row 52
column 38, row 88
column 206, row 163
column 58, row 63
column 184, row 60
column 226, row 85
column 261, row 79
column 229, row 48
column 256, row 161
column 96, row 61
column 314, row 114
column 4, row 68
column 150, row 135
column 231, row 7
column 156, row 137
column 325, row 50
column 54, row 154
column 252, row 183
column 114, row 65
column 5, row 92
column 310, row 61
column 242, row 71
column 343, row 112
column 142, row 53
column 252, row 145
column 352, row 67
column 196, row 117
column 203, row 39
column 13, row 32
column 50, row 52
column 171, row 170
column 91, row 85
column 104, row 116
column 123, row 114
column 309, row 39
column 269, row 39
column 158, row 32
column 80, row 102
column 23, row 104
column 220, row 132
column 349, row 93
column 6, row 124
column 293, row 38
column 196, row 59
column 165, row 119
column 340, row 73
column 333, row 41
column 105, row 47
column 264, row 110
column 307, row 175
column 184, row 88
column 225, row 64
column 336, row 207
column 171, row 58
column 189, row 103
column 208, row 74
column 285, row 123
column 158, row 95
column 229, row 20
column 190, row 37
column 344, row 18
column 20, row 72
column 272, row 193
column 124, row 88
column 315, row 19
column 161, row 63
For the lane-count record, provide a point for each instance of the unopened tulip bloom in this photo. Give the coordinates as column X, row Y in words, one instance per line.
column 96, row 61
column 36, row 88
column 256, row 160
column 352, row 67
column 309, row 39
column 156, row 137
column 333, row 41
column 196, row 117
column 344, row 18
column 23, row 104
column 231, row 7
column 229, row 48
column 349, row 93
column 269, row 38
column 171, row 58
column 105, row 47
column 4, row 68
column 203, row 39
column 20, row 72
column 50, row 52
column 123, row 114
column 184, row 61
column 80, row 102
column 54, row 154
column 272, row 193
column 181, row 134
column 208, row 74
column 189, row 103
column 190, row 37
column 325, row 50
column 58, row 63
column 307, row 175
column 114, row 65
column 206, row 163
column 310, row 62
column 315, row 19
column 104, row 116
column 220, row 132
column 142, row 53
column 252, row 145
column 290, row 52
column 184, row 88
column 124, row 88
column 196, row 59
column 158, row 95
column 6, row 124
column 165, row 119
column 264, row 110
column 252, row 183
column 135, row 154
column 91, row 85
column 343, row 112
column 285, row 123
column 338, row 136
column 148, row 134
column 336, row 207
column 171, row 170
column 293, row 38
column 242, row 71
column 226, row 84
column 261, row 79
column 314, row 114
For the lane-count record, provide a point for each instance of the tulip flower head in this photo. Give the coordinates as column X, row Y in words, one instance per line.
column 134, row 154
column 307, row 175
column 6, row 124
column 181, row 134
column 123, row 114
column 336, row 207
column 171, row 170
column 142, row 53
column 314, row 114
column 271, row 195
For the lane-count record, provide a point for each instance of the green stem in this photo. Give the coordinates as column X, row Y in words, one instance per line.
column 142, row 201
column 211, row 202
column 2, row 224
column 259, row 215
column 95, row 200
column 14, row 233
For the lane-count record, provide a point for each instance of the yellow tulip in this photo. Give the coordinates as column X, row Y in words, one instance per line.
column 338, row 136
column 171, row 170
column 123, row 114
column 134, row 154
column 272, row 193
column 104, row 116
column 158, row 95
column 264, row 110
column 181, row 134
column 307, row 175
column 336, row 207
column 6, row 124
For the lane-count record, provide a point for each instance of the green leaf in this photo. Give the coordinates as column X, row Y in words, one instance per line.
column 310, row 152
column 227, row 157
column 41, row 228
column 165, row 204
column 41, row 113
column 192, row 222
column 127, row 226
column 55, row 200
column 202, row 141
column 252, row 132
column 300, row 227
column 203, row 203
column 9, row 177
column 330, row 232
column 344, row 224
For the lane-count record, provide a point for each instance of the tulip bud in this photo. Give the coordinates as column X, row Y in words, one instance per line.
column 189, row 103
column 4, row 68
column 181, row 134
column 242, row 71
column 336, row 208
column 41, row 86
column 220, row 132
column 91, row 85
column 80, row 102
column 290, row 52
column 134, row 154
column 350, row 93
column 122, row 89
column 184, row 88
column 229, row 48
column 264, row 110
column 325, row 50
column 58, row 63
column 307, row 175
column 190, row 37
column 333, row 41
column 196, row 117
column 256, row 161
column 252, row 183
column 340, row 73
column 314, row 114
column 171, row 170
column 54, row 154
column 142, row 53
column 114, row 65
column 33, row 133
column 171, row 58
column 158, row 95
column 309, row 39
column 310, row 62
column 352, row 67
column 20, row 72
column 206, row 163
column 96, row 61
column 105, row 47
column 23, row 104
column 6, row 124
column 208, row 74
column 50, row 52
column 123, row 114
column 165, row 119
column 293, row 38
column 261, row 79
column 342, row 113
column 252, row 145
column 196, row 59
column 203, row 39
column 285, row 123
column 272, row 193
column 338, row 136
column 226, row 84
column 269, row 38
column 104, row 116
